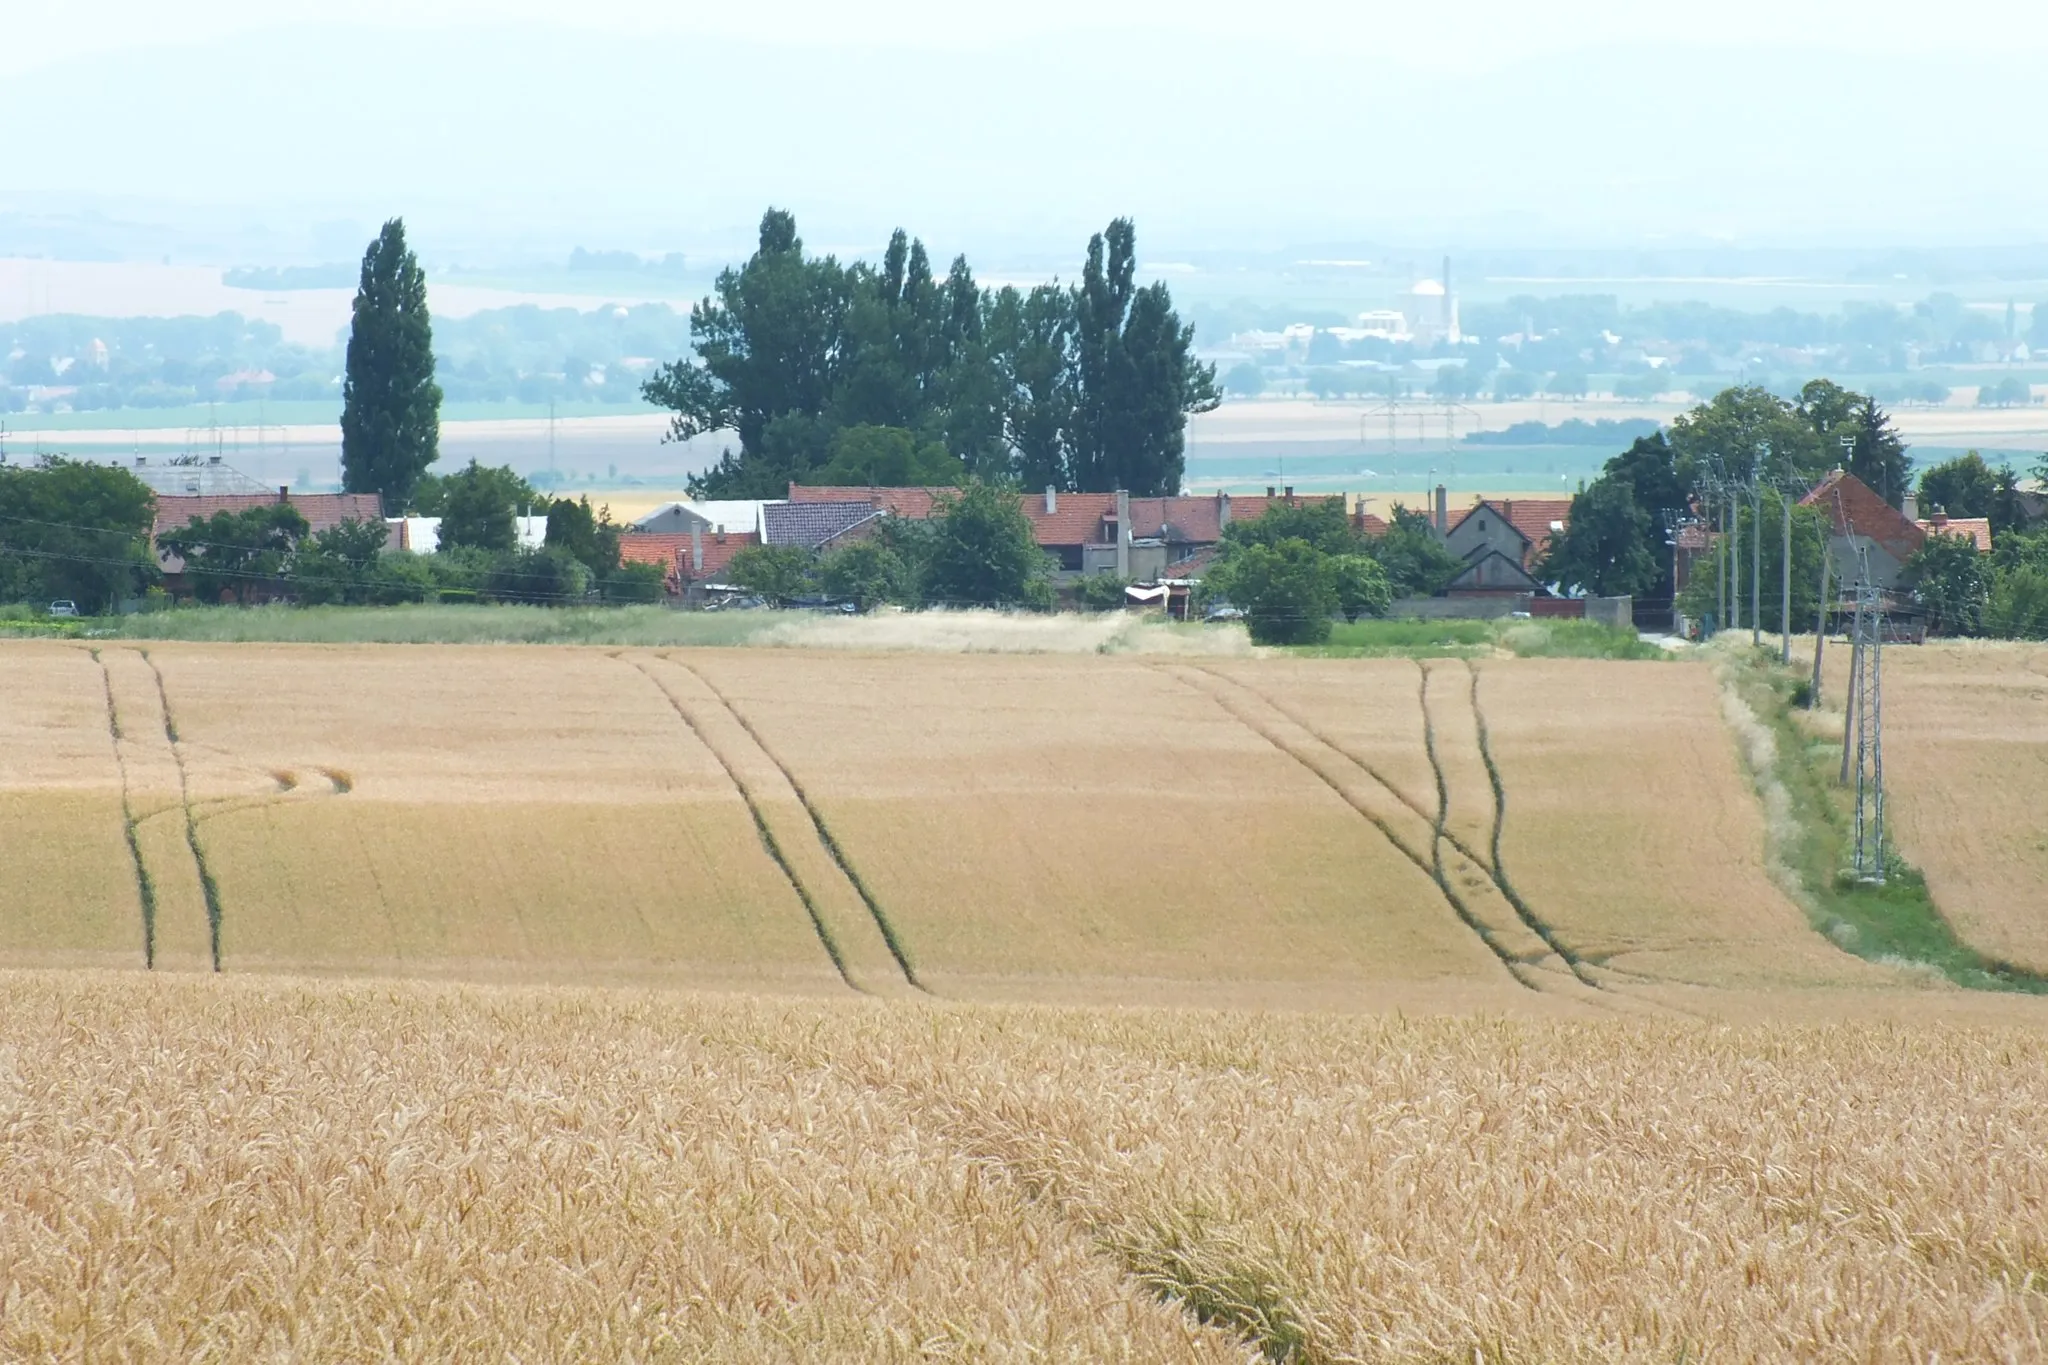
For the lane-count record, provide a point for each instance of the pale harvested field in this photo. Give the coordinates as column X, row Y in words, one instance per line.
column 1966, row 779
column 1132, row 828
column 236, row 1169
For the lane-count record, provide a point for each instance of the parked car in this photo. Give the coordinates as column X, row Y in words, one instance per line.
column 1223, row 611
column 64, row 607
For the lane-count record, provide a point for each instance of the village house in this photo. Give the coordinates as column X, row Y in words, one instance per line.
column 1501, row 541
column 1865, row 525
column 322, row 511
column 690, row 562
column 1139, row 539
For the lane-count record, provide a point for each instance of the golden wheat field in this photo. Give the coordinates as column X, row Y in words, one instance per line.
column 1966, row 768
column 843, row 1004
column 1539, row 835
column 234, row 1168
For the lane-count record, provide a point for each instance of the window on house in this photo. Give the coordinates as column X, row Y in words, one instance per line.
column 1482, row 526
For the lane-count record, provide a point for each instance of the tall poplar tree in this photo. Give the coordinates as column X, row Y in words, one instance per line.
column 390, row 404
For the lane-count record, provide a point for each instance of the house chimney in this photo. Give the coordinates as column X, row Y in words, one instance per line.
column 1052, row 499
column 1443, row 511
column 1123, row 534
column 696, row 548
column 1222, row 512
column 1287, row 492
column 284, row 492
column 1269, row 490
column 1911, row 507
column 1940, row 517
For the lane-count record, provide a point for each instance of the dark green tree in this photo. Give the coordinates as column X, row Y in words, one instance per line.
column 1606, row 548
column 1946, row 575
column 1287, row 590
column 768, row 348
column 480, row 506
column 1030, row 339
column 1136, row 376
column 75, row 531
column 542, row 578
column 340, row 564
column 775, row 572
column 390, row 405
column 1876, row 452
column 588, row 536
column 888, row 457
column 636, row 583
column 1414, row 560
column 1962, row 487
column 1316, row 521
column 981, row 552
column 1748, row 430
column 865, row 572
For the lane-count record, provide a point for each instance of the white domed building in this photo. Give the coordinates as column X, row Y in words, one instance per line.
column 1433, row 309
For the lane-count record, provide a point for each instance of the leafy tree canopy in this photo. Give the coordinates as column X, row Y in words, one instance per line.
column 1947, row 575
column 1288, row 590
column 775, row 572
column 479, row 506
column 888, row 457
column 1606, row 549
column 1415, row 562
column 390, row 405
column 1083, row 387
column 981, row 552
column 75, row 531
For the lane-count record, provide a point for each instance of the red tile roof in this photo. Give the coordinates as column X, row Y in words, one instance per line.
column 1977, row 529
column 672, row 552
column 322, row 511
column 1854, row 506
column 1077, row 518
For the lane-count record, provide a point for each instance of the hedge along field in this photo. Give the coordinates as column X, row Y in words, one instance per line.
column 1966, row 782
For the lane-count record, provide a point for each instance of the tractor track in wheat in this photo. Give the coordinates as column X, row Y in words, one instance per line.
column 824, row 831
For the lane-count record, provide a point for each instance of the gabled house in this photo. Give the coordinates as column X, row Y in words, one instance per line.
column 1864, row 524
column 688, row 561
column 677, row 518
column 1501, row 540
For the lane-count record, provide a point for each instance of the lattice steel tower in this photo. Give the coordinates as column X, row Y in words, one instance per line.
column 1866, row 714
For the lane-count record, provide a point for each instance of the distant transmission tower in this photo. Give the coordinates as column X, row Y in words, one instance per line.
column 1866, row 716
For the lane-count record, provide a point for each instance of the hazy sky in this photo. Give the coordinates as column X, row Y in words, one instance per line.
column 1467, row 34
column 653, row 125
